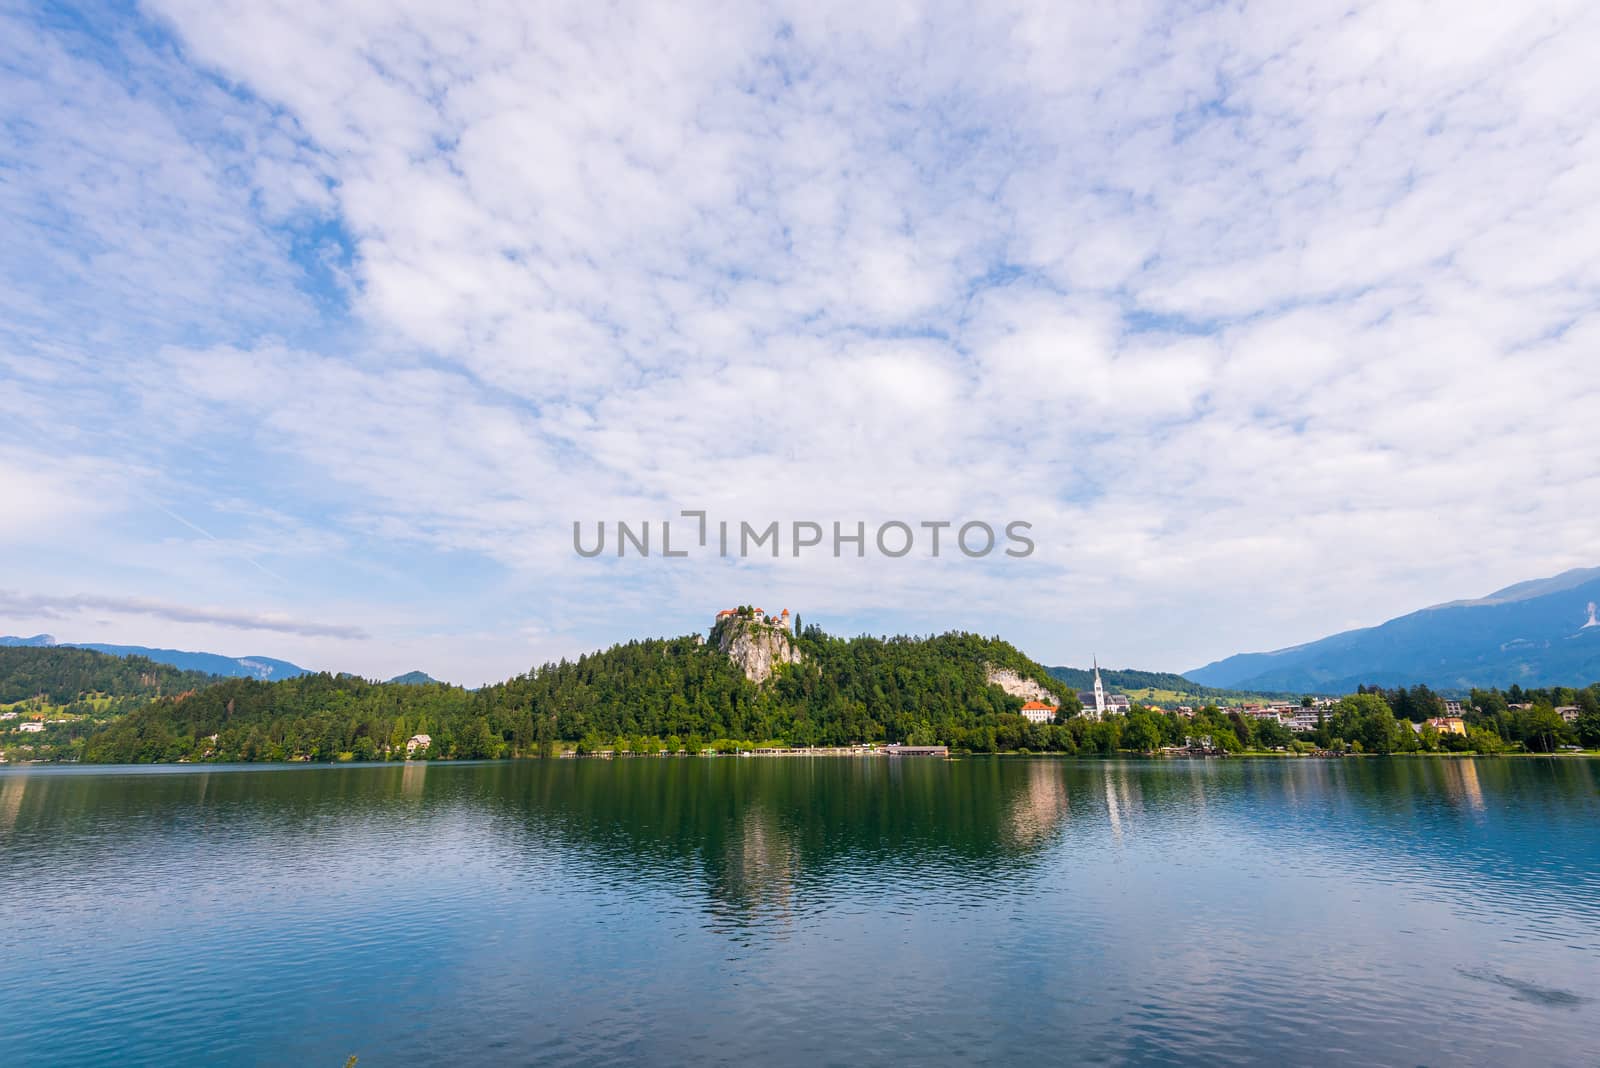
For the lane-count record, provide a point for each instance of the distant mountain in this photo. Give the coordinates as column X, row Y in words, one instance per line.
column 416, row 678
column 231, row 667
column 1539, row 633
column 234, row 667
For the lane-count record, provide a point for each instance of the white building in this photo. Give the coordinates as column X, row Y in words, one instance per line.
column 1302, row 719
column 418, row 741
column 1038, row 712
column 31, row 727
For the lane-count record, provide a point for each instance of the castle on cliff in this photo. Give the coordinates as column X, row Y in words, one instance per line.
column 780, row 621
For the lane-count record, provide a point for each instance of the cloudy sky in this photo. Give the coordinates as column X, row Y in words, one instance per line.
column 320, row 325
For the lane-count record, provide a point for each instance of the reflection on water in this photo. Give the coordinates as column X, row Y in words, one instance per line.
column 758, row 871
column 1463, row 777
column 1040, row 808
column 12, row 787
column 791, row 911
column 411, row 778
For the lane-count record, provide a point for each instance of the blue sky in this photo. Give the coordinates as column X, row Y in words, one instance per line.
column 320, row 328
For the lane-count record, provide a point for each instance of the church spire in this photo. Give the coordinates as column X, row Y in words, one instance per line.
column 1099, row 692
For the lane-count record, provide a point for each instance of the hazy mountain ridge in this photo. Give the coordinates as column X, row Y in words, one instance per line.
column 266, row 668
column 38, row 641
column 1534, row 633
column 416, row 678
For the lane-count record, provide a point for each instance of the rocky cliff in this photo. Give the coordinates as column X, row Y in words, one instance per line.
column 758, row 648
column 1018, row 686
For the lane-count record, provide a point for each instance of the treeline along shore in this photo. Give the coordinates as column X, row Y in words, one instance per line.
column 685, row 695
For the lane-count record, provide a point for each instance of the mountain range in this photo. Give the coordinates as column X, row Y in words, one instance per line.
column 1534, row 634
column 265, row 668
column 232, row 667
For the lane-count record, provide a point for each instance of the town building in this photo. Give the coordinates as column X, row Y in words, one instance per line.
column 1568, row 713
column 33, row 726
column 418, row 741
column 1448, row 724
column 1302, row 719
column 1452, row 708
column 1281, row 713
column 1038, row 712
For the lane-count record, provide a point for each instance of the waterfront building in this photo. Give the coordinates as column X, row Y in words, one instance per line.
column 417, row 741
column 1038, row 712
column 1448, row 724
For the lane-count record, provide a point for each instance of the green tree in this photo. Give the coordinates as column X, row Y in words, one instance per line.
column 1541, row 729
column 1588, row 722
column 1139, row 732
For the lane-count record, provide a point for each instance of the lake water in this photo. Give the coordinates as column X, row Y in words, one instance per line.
column 829, row 910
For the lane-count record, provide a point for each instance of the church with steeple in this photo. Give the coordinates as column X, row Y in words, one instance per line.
column 1096, row 702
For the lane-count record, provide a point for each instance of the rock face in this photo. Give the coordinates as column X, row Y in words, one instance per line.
column 1017, row 686
column 758, row 648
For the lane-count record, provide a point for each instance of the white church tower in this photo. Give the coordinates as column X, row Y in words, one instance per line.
column 1099, row 692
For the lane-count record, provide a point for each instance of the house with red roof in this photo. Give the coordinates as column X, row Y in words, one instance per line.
column 1038, row 712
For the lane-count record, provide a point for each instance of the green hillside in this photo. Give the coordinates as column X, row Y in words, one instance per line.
column 844, row 691
column 61, row 675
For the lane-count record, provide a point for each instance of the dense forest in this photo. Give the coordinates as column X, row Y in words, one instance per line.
column 680, row 692
column 61, row 675
column 685, row 694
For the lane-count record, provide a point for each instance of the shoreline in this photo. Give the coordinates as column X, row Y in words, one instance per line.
column 832, row 753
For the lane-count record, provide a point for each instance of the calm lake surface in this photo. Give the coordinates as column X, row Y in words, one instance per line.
column 803, row 911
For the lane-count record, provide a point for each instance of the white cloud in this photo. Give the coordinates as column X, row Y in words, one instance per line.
column 1270, row 318
column 33, row 605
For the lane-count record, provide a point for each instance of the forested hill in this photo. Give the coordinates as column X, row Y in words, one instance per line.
column 1083, row 679
column 860, row 689
column 1134, row 683
column 62, row 675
